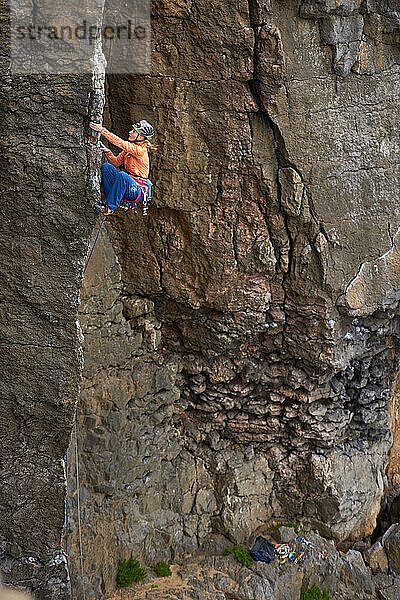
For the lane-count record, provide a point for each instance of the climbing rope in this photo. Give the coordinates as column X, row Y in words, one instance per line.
column 77, row 457
column 66, row 527
column 94, row 244
column 78, row 492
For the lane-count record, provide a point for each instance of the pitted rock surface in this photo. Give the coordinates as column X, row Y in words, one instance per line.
column 254, row 276
column 258, row 238
column 208, row 576
column 48, row 181
column 240, row 358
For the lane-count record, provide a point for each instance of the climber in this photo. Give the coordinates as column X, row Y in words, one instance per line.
column 131, row 185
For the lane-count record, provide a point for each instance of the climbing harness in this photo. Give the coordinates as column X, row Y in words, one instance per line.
column 147, row 195
column 95, row 241
column 144, row 195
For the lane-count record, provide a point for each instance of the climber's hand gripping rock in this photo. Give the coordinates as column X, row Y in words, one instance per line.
column 96, row 126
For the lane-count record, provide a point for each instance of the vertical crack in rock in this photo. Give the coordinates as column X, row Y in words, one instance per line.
column 110, row 110
column 269, row 371
column 224, row 387
column 354, row 30
column 278, row 142
column 44, row 235
column 262, row 93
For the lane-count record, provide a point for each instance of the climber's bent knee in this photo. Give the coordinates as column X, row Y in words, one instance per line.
column 108, row 167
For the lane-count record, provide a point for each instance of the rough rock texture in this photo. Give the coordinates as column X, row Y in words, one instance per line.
column 376, row 558
column 46, row 175
column 391, row 508
column 141, row 489
column 391, row 541
column 260, row 252
column 207, row 575
column 129, row 493
column 240, row 364
column 253, row 326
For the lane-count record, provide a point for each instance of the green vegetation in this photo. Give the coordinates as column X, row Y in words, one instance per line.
column 241, row 555
column 154, row 585
column 295, row 526
column 162, row 569
column 314, row 593
column 129, row 571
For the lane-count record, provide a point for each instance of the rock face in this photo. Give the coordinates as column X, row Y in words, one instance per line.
column 376, row 558
column 391, row 541
column 271, row 272
column 47, row 181
column 210, row 575
column 241, row 343
column 257, row 304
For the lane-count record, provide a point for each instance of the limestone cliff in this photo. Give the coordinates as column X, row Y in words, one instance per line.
column 241, row 343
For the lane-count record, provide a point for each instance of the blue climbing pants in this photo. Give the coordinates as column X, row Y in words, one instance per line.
column 118, row 185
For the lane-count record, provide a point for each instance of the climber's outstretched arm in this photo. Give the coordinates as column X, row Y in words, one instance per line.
column 134, row 149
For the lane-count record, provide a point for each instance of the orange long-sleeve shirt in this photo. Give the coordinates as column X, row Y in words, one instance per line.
column 134, row 157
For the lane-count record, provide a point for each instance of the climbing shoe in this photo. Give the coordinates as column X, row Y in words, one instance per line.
column 102, row 208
